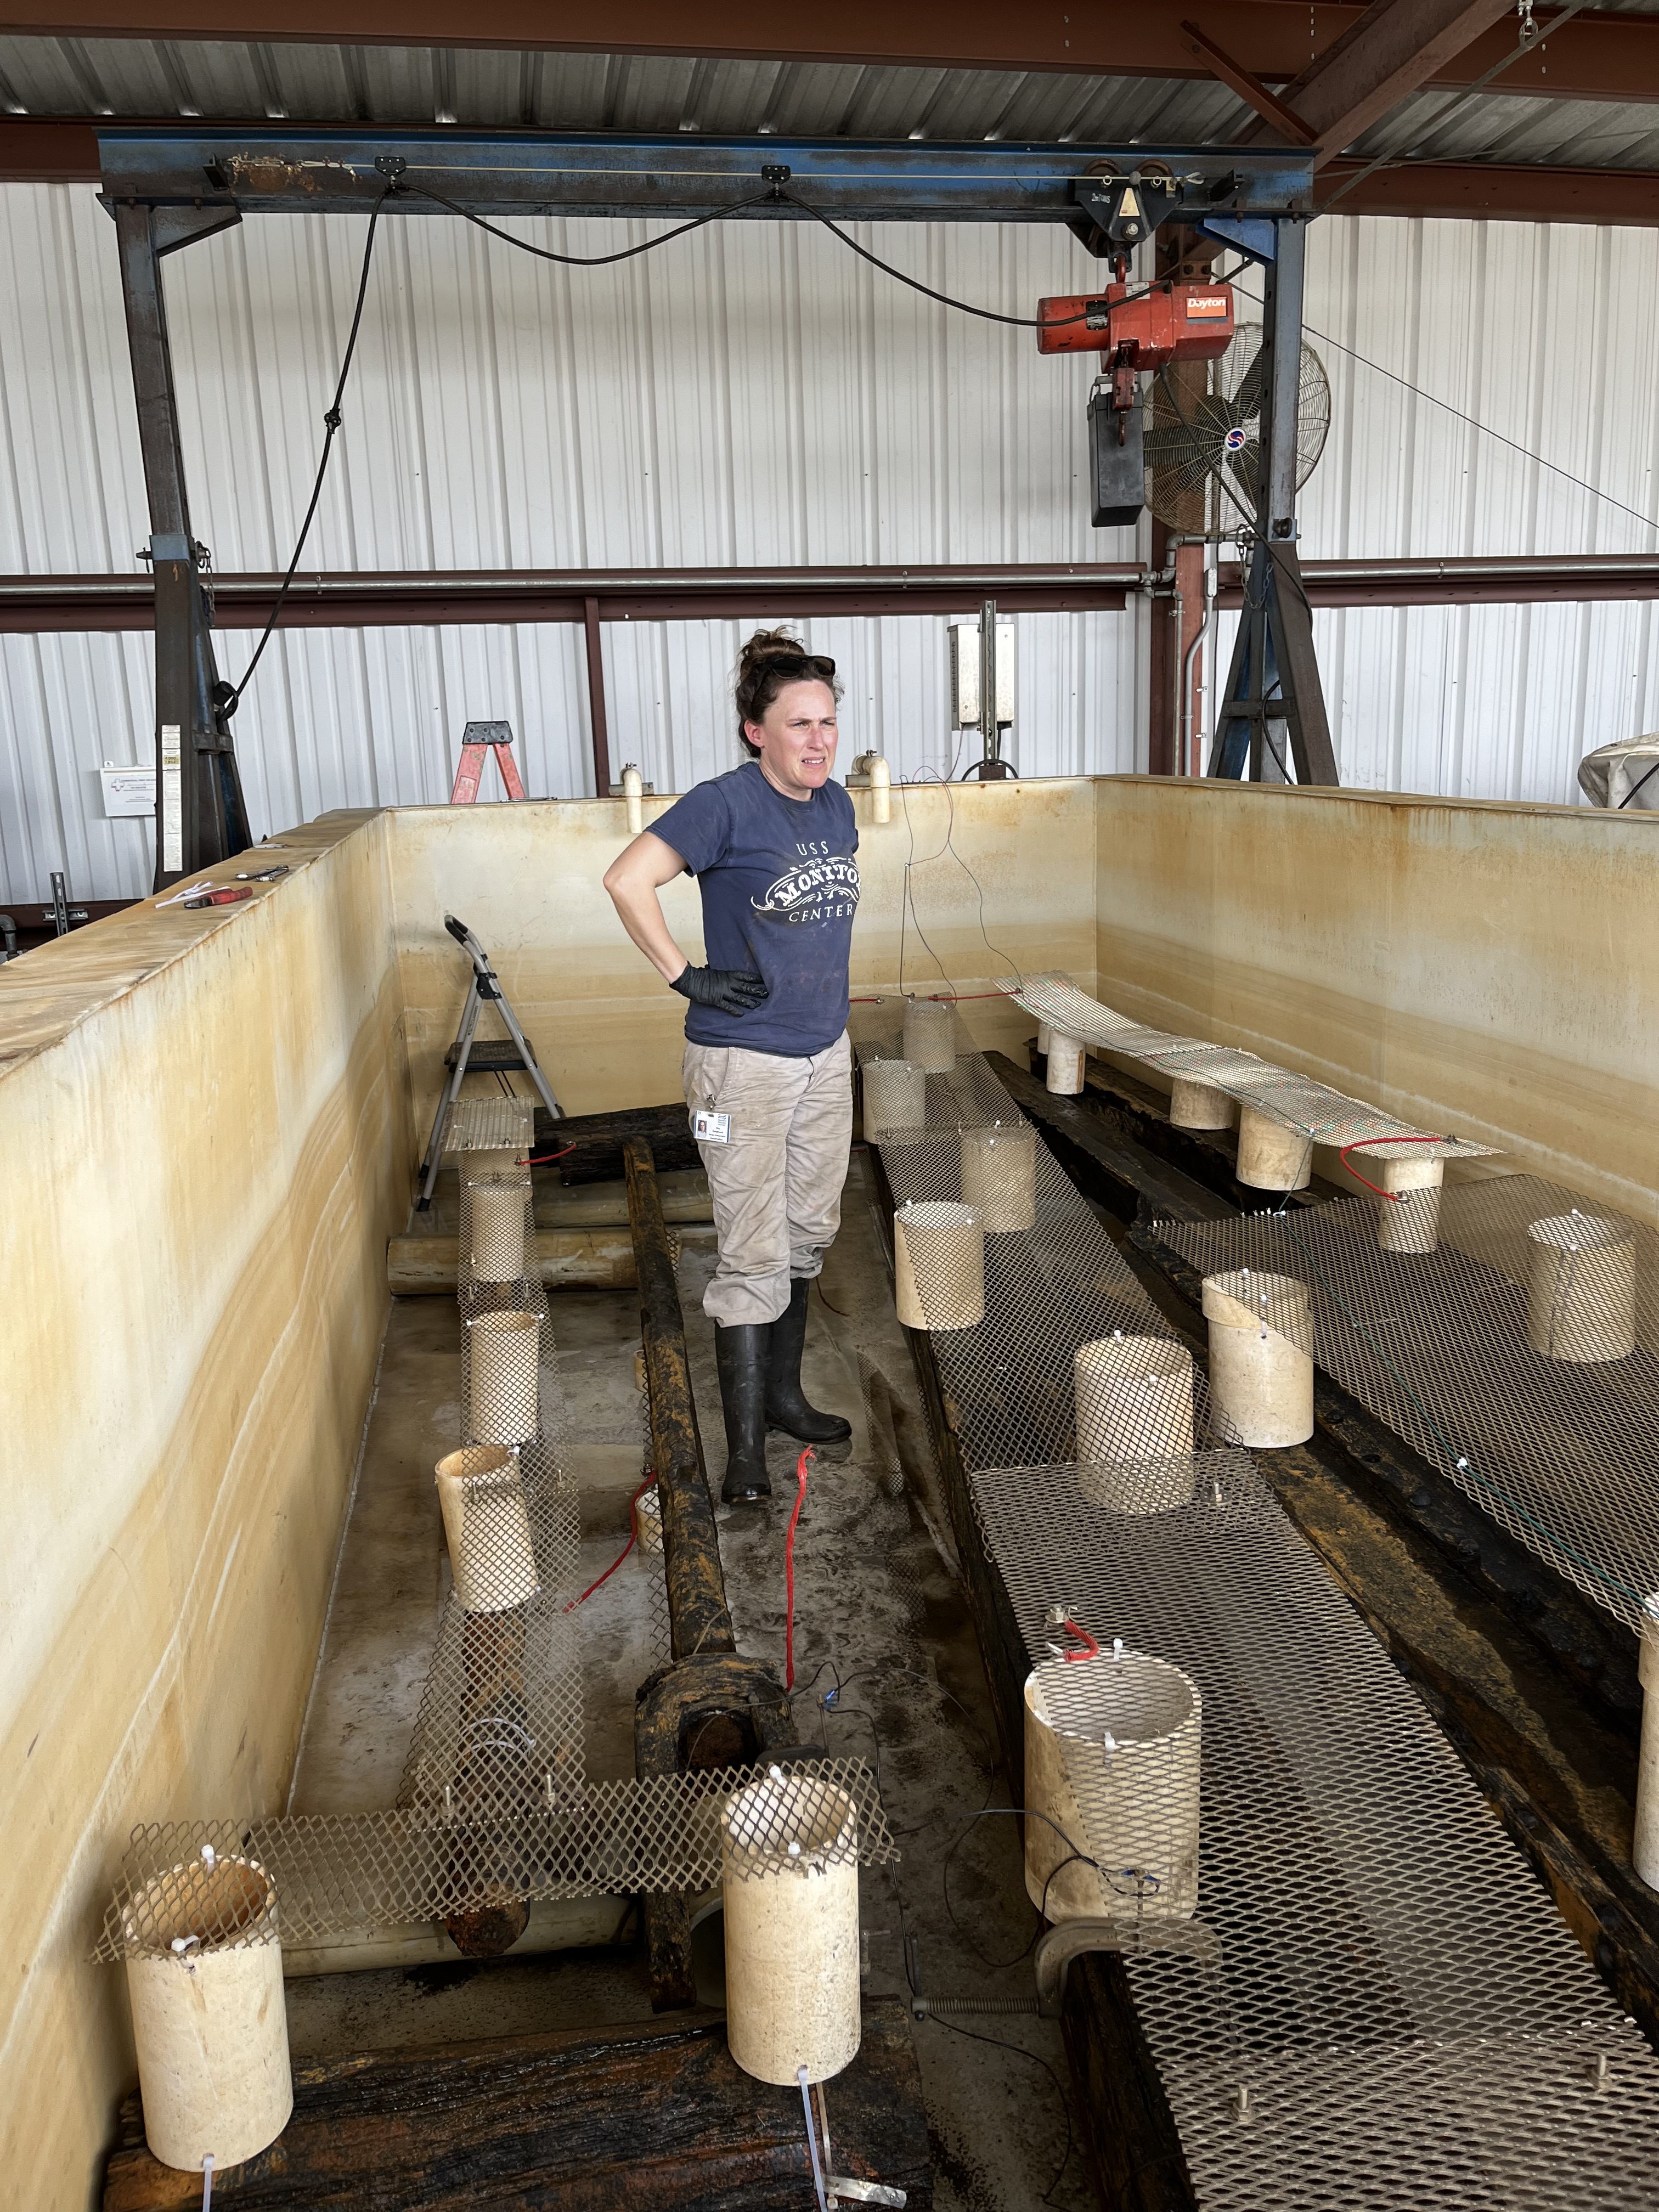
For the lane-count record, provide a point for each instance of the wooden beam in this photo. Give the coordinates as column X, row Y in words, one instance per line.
column 642, row 2118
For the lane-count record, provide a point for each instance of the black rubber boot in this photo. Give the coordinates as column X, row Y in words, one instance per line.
column 786, row 1408
column 740, row 1356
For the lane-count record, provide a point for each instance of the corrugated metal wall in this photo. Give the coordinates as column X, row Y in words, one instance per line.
column 755, row 394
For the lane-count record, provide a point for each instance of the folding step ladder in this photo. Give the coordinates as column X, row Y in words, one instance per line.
column 487, row 1057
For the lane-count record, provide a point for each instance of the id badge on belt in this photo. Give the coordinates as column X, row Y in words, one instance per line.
column 709, row 1127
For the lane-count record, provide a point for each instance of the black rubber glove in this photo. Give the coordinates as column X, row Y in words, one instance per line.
column 730, row 989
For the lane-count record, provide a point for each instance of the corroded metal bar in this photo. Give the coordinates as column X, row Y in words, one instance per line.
column 698, row 1616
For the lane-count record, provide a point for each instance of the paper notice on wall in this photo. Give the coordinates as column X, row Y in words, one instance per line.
column 128, row 791
column 173, row 800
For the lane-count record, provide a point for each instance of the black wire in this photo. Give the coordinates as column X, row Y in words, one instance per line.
column 963, row 306
column 997, row 2043
column 1647, row 522
column 584, row 260
column 1635, row 787
column 331, row 425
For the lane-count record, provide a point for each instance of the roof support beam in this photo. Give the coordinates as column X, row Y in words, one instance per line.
column 1600, row 55
column 1396, row 47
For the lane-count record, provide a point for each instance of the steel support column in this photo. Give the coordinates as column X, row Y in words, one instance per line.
column 1272, row 717
column 200, row 817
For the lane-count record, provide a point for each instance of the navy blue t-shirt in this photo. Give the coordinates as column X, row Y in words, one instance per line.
column 779, row 888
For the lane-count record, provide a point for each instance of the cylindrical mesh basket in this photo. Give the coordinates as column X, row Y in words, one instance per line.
column 895, row 1101
column 1581, row 1287
column 939, row 1266
column 1135, row 1423
column 998, row 1175
column 1130, row 1728
column 930, row 1034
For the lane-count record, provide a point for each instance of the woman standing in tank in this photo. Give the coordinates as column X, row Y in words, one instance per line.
column 768, row 1067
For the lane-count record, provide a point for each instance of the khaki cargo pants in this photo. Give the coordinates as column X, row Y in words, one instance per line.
column 776, row 1185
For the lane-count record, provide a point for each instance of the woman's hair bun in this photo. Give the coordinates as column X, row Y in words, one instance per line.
column 769, row 660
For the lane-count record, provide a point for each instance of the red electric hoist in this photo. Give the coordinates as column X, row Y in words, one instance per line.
column 1133, row 333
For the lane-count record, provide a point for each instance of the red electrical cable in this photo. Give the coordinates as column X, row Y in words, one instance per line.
column 1082, row 1636
column 633, row 1533
column 789, row 1571
column 1359, row 1146
column 541, row 1159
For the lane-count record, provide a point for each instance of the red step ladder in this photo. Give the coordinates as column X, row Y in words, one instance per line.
column 477, row 739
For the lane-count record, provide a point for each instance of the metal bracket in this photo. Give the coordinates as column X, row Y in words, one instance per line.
column 1070, row 1939
column 1254, row 236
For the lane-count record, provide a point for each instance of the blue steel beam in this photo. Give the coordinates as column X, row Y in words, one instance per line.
column 544, row 172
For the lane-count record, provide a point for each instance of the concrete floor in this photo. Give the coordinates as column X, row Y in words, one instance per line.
column 886, row 1668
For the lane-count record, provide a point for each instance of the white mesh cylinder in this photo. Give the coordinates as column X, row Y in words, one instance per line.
column 930, row 1034
column 1581, row 1287
column 1409, row 1218
column 496, row 1206
column 1271, row 1157
column 209, row 2020
column 1130, row 1728
column 492, row 1554
column 1056, row 1882
column 998, row 1175
column 895, row 1097
column 1135, row 1423
column 647, row 1521
column 792, row 1929
column 504, row 1359
column 1067, row 1057
column 939, row 1266
column 1194, row 1105
column 1261, row 1379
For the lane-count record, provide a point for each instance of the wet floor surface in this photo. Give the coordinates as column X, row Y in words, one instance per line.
column 886, row 1668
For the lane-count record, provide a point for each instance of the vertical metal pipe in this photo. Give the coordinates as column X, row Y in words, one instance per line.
column 988, row 678
column 1282, row 334
column 597, row 715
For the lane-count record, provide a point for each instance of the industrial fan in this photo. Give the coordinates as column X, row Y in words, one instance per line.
column 1203, row 435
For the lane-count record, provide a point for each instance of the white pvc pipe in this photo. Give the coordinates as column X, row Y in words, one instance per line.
column 792, row 1928
column 1271, row 1157
column 492, row 1555
column 496, row 1209
column 1045, row 1038
column 209, row 2017
column 1581, row 1288
column 505, row 1351
column 939, row 1266
column 1409, row 1218
column 881, row 788
column 1194, row 1105
column 1135, row 1423
column 1067, row 1060
column 633, row 785
column 998, row 1175
column 1261, row 1381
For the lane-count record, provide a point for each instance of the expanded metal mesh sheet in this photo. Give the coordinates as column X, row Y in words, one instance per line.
column 1516, row 1346
column 1391, row 2014
column 1054, row 1293
column 1313, row 1109
column 333, row 1875
column 489, row 1124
